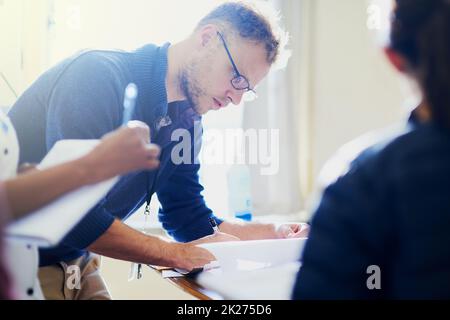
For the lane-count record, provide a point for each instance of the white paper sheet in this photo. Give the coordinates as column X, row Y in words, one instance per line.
column 50, row 224
column 275, row 283
column 253, row 255
column 171, row 274
column 255, row 270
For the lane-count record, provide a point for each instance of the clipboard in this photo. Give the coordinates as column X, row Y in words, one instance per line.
column 47, row 226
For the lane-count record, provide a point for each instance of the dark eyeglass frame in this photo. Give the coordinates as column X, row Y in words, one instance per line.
column 239, row 78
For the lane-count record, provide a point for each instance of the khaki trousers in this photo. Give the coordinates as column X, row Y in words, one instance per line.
column 79, row 279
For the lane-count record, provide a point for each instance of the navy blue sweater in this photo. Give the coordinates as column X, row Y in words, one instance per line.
column 391, row 210
column 82, row 98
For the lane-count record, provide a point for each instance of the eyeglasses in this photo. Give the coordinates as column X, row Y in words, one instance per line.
column 239, row 82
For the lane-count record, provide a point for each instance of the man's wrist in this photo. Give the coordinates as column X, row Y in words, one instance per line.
column 162, row 252
column 250, row 231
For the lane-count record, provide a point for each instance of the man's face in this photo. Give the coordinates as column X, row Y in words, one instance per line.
column 207, row 80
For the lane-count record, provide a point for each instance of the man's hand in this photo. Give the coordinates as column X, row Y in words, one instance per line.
column 122, row 242
column 123, row 151
column 291, row 231
column 189, row 256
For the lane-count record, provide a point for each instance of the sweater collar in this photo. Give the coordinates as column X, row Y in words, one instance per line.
column 413, row 120
column 149, row 69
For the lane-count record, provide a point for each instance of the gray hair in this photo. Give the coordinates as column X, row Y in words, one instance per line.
column 254, row 22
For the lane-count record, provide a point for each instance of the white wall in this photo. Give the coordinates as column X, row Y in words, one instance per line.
column 10, row 54
column 23, row 45
column 353, row 87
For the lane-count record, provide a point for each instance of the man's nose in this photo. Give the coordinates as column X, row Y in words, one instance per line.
column 235, row 96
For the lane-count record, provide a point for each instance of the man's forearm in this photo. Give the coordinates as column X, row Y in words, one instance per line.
column 249, row 231
column 124, row 243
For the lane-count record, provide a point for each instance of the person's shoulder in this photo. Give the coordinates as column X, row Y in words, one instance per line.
column 383, row 152
column 360, row 152
column 384, row 149
column 418, row 138
column 94, row 60
column 9, row 155
column 406, row 146
column 92, row 67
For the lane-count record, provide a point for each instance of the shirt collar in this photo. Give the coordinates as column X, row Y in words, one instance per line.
column 150, row 65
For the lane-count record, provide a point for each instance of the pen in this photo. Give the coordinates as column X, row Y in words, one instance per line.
column 213, row 224
column 129, row 103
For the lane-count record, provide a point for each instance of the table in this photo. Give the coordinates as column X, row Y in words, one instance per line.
column 190, row 286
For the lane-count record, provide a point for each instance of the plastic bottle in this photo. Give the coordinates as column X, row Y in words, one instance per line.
column 239, row 192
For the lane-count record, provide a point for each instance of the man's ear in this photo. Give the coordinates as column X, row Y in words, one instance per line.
column 396, row 59
column 206, row 35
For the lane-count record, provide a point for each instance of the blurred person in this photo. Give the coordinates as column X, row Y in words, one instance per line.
column 125, row 150
column 381, row 229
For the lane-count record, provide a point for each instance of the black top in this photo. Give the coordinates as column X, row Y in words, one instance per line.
column 387, row 219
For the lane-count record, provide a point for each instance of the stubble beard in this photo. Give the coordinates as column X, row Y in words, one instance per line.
column 190, row 87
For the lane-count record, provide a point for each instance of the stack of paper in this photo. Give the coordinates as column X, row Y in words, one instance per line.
column 257, row 270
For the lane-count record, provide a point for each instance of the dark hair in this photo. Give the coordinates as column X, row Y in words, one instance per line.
column 250, row 24
column 421, row 33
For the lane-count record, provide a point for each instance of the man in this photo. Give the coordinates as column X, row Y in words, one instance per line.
column 229, row 53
